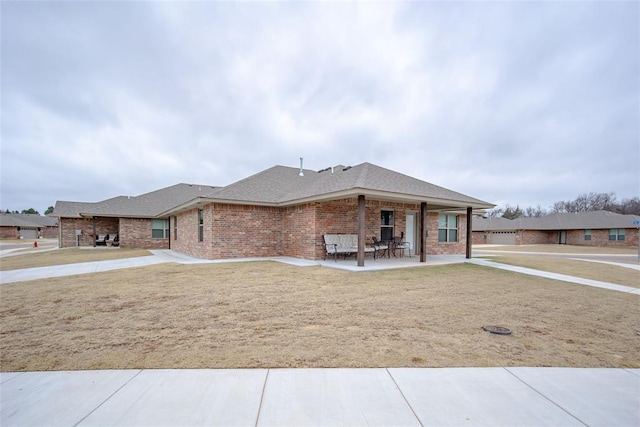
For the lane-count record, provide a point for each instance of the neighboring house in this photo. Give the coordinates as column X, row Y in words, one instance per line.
column 28, row 226
column 282, row 211
column 597, row 228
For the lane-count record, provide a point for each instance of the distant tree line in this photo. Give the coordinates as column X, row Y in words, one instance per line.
column 27, row 211
column 583, row 203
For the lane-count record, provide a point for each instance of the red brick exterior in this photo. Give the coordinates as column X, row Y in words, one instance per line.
column 236, row 231
column 132, row 232
column 68, row 227
column 239, row 231
column 599, row 238
column 12, row 232
column 136, row 233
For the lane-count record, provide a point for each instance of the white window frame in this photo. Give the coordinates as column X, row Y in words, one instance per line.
column 445, row 224
column 163, row 228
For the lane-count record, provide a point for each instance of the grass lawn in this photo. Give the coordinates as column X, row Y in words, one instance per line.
column 266, row 314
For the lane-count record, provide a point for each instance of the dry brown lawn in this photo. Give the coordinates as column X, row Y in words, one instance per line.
column 585, row 269
column 67, row 256
column 266, row 314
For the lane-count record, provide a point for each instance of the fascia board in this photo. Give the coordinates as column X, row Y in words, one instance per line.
column 353, row 192
column 386, row 195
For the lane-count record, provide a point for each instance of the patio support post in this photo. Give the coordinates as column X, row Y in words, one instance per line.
column 94, row 231
column 361, row 230
column 423, row 232
column 469, row 231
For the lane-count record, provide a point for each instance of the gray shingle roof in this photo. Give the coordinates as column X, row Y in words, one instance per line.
column 563, row 221
column 281, row 185
column 27, row 220
column 148, row 205
column 278, row 186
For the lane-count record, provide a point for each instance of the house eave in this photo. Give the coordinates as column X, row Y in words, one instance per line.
column 434, row 204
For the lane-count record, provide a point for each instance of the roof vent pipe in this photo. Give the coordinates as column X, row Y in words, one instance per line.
column 331, row 169
column 301, row 171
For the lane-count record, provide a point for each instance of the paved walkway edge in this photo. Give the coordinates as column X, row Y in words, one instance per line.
column 374, row 396
column 556, row 276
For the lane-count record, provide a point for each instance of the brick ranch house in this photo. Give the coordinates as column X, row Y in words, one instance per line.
column 281, row 211
column 28, row 226
column 598, row 228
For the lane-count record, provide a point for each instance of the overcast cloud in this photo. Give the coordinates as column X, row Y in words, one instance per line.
column 510, row 102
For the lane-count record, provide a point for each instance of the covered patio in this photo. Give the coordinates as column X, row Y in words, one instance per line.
column 384, row 263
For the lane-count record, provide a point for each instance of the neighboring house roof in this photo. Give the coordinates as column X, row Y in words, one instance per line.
column 563, row 221
column 27, row 220
column 283, row 186
column 148, row 205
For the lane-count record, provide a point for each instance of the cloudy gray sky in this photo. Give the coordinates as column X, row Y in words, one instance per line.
column 511, row 102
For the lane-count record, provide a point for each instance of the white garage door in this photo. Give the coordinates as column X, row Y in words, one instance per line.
column 503, row 238
column 28, row 233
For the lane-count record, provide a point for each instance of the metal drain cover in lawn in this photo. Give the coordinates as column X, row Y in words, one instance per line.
column 497, row 330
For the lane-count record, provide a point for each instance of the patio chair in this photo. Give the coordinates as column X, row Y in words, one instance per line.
column 401, row 245
column 116, row 241
column 379, row 247
column 111, row 238
column 101, row 240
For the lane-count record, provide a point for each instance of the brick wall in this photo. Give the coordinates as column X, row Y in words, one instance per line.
column 299, row 231
column 68, row 227
column 341, row 217
column 601, row 238
column 236, row 231
column 574, row 237
column 445, row 248
column 186, row 238
column 136, row 233
column 246, row 231
column 9, row 232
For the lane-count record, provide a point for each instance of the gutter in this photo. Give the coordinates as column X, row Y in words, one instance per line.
column 448, row 205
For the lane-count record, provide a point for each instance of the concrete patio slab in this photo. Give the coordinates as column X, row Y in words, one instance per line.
column 224, row 397
column 56, row 398
column 597, row 397
column 475, row 397
column 326, row 397
column 384, row 263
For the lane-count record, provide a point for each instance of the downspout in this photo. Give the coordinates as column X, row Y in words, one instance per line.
column 94, row 231
column 469, row 232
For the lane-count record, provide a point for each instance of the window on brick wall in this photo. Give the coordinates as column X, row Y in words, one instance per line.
column 447, row 228
column 587, row 234
column 616, row 234
column 386, row 225
column 160, row 228
column 200, row 225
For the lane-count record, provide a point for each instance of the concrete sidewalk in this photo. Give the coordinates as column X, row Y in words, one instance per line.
column 300, row 397
column 556, row 276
